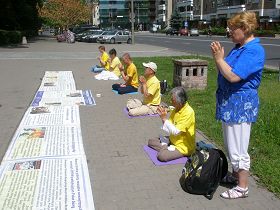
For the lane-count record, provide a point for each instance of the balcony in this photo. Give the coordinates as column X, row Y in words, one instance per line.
column 231, row 9
column 162, row 7
column 184, row 3
column 187, row 14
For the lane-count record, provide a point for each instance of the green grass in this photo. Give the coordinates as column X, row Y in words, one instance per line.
column 265, row 136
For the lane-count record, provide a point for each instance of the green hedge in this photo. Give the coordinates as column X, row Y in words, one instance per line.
column 215, row 31
column 267, row 33
column 10, row 37
column 29, row 33
column 222, row 32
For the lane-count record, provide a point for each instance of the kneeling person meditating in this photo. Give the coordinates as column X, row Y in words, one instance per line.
column 180, row 126
column 150, row 88
column 129, row 75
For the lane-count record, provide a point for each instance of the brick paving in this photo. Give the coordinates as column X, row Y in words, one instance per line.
column 122, row 176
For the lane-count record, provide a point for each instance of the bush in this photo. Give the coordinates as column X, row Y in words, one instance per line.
column 29, row 33
column 4, row 39
column 219, row 31
column 265, row 33
column 9, row 37
column 14, row 37
column 215, row 31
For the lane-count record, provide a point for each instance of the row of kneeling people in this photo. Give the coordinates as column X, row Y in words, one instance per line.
column 237, row 100
column 180, row 125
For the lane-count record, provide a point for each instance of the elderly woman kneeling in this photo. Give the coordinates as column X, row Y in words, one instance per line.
column 180, row 126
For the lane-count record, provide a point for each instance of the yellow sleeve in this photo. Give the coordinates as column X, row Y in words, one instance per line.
column 130, row 71
column 153, row 88
column 114, row 63
column 104, row 57
column 183, row 122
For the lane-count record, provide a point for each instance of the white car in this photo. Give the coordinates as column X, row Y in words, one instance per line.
column 194, row 32
column 115, row 37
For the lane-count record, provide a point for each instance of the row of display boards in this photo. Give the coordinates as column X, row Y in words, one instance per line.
column 45, row 166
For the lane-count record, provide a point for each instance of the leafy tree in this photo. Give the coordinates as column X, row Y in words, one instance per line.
column 176, row 20
column 19, row 14
column 65, row 13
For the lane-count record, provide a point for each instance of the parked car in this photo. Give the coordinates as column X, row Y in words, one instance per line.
column 172, row 31
column 83, row 28
column 93, row 36
column 184, row 32
column 115, row 37
column 79, row 36
column 194, row 32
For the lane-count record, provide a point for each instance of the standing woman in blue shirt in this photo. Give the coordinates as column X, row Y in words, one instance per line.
column 237, row 101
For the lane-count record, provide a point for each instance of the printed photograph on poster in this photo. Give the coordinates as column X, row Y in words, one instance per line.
column 51, row 115
column 47, row 141
column 39, row 110
column 46, row 183
column 58, row 85
column 27, row 165
column 63, row 98
column 58, row 81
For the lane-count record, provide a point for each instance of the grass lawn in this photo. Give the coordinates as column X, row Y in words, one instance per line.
column 265, row 141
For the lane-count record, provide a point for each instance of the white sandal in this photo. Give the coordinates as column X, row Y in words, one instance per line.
column 234, row 193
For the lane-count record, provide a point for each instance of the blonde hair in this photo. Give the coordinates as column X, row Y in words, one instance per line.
column 244, row 20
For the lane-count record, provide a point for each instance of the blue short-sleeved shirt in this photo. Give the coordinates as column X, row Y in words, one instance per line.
column 238, row 102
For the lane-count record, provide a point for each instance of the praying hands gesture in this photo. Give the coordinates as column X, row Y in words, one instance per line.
column 222, row 66
column 217, row 51
column 142, row 79
column 162, row 113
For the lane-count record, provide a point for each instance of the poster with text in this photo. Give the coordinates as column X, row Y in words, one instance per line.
column 46, row 141
column 51, row 115
column 49, row 183
column 63, row 98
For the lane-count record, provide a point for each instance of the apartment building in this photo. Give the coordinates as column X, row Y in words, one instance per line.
column 164, row 10
column 223, row 9
column 117, row 13
column 95, row 13
column 185, row 9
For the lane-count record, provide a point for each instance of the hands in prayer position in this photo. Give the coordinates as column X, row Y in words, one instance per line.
column 217, row 51
column 142, row 79
column 162, row 113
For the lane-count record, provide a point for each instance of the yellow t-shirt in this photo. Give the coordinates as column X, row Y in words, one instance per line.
column 153, row 86
column 105, row 58
column 115, row 66
column 184, row 120
column 131, row 71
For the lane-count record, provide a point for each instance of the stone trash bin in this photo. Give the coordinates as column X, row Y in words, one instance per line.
column 190, row 73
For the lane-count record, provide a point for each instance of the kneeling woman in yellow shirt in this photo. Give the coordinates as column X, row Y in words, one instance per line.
column 180, row 126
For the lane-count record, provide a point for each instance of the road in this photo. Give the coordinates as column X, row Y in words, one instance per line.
column 201, row 45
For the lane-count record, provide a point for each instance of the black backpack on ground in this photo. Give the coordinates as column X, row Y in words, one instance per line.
column 163, row 86
column 203, row 172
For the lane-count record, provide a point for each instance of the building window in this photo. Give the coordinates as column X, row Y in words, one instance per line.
column 182, row 9
column 213, row 4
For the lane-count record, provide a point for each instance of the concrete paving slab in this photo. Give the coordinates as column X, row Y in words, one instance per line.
column 122, row 176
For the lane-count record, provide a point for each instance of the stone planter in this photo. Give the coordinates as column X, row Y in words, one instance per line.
column 190, row 73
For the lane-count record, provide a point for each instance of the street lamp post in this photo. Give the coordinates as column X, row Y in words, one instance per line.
column 201, row 10
column 132, row 22
column 262, row 8
column 138, row 19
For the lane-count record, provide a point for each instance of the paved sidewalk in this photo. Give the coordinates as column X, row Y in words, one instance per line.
column 122, row 176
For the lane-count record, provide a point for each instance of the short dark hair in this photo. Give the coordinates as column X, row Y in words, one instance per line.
column 113, row 52
column 101, row 47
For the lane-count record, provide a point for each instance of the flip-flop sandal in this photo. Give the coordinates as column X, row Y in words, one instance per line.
column 235, row 193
